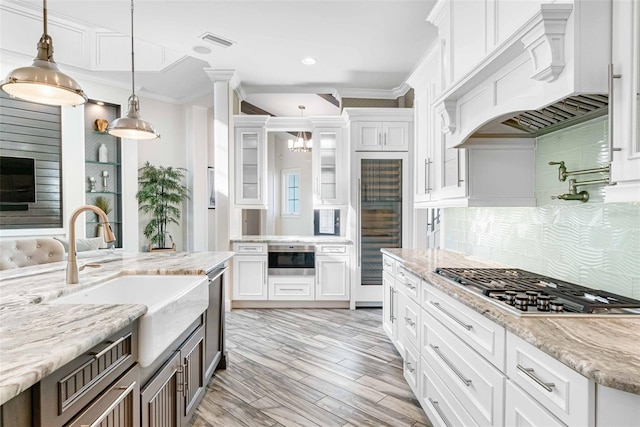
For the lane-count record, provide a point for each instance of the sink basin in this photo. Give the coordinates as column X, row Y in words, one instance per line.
column 173, row 303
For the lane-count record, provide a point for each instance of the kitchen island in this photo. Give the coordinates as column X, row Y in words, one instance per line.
column 597, row 381
column 37, row 338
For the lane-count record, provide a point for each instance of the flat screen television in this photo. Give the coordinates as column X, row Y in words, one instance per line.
column 17, row 180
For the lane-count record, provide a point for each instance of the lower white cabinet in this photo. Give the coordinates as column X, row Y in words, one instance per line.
column 250, row 271
column 292, row 288
column 475, row 383
column 411, row 368
column 522, row 410
column 333, row 273
column 389, row 305
column 439, row 402
column 564, row 392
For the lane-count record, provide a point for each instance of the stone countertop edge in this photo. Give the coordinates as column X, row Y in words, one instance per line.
column 36, row 339
column 603, row 349
column 294, row 239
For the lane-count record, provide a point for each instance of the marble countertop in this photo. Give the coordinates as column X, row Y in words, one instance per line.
column 604, row 349
column 38, row 338
column 293, row 239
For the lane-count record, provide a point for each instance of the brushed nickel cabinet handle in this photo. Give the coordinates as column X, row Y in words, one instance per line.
column 440, row 413
column 460, row 322
column 409, row 322
column 409, row 368
column 111, row 347
column 466, row 381
column 531, row 374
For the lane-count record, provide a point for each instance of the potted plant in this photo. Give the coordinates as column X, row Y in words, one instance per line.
column 160, row 193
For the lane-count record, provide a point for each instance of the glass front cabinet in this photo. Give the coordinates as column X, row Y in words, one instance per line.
column 250, row 167
column 328, row 183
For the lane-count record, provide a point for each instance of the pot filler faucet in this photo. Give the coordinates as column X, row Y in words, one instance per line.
column 72, row 263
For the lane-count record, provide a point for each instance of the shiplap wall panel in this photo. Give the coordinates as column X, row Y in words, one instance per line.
column 33, row 130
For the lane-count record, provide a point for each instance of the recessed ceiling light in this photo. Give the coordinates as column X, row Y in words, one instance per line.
column 201, row 49
column 309, row 61
column 100, row 103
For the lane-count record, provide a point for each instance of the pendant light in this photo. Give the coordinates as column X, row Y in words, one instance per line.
column 300, row 144
column 42, row 82
column 132, row 126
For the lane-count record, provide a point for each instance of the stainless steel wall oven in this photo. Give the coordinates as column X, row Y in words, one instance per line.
column 292, row 260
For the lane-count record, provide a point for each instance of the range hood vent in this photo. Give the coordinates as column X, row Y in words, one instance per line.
column 562, row 114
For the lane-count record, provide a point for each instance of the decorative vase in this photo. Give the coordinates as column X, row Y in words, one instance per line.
column 101, row 125
column 102, row 154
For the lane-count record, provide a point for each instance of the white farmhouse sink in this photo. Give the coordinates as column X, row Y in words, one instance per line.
column 173, row 303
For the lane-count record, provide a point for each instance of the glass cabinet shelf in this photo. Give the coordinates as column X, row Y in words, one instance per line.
column 93, row 162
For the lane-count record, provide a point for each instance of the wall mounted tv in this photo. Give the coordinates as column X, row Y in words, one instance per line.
column 17, row 180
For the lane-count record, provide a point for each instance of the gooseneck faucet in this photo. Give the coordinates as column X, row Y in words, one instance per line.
column 72, row 263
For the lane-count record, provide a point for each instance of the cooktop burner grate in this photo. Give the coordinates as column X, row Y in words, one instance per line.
column 495, row 282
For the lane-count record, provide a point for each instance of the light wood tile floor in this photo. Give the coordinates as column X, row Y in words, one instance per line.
column 309, row 367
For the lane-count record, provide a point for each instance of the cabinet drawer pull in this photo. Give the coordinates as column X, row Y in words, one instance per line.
column 409, row 322
column 458, row 321
column 114, row 405
column 436, row 406
column 409, row 368
column 529, row 372
column 466, row 381
column 292, row 289
column 111, row 347
column 401, row 274
column 387, row 264
column 411, row 286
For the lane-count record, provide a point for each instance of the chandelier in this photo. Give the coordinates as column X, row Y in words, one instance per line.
column 301, row 144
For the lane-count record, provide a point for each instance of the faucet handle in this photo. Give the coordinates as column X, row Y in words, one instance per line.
column 561, row 163
column 562, row 170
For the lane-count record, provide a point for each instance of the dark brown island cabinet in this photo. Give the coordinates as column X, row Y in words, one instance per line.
column 106, row 386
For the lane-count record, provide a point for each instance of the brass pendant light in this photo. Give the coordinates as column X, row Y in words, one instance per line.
column 42, row 82
column 132, row 126
column 300, row 144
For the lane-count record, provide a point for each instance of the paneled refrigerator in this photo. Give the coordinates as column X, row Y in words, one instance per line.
column 381, row 205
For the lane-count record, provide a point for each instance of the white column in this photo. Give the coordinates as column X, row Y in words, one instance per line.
column 74, row 181
column 196, row 217
column 227, row 219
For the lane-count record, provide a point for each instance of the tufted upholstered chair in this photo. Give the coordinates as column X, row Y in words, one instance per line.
column 27, row 252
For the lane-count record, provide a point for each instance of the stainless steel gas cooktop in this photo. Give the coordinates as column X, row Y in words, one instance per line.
column 529, row 294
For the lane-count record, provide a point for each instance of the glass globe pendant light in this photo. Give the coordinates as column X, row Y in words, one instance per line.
column 132, row 126
column 42, row 82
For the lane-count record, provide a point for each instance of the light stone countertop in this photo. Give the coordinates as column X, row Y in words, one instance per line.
column 604, row 349
column 38, row 338
column 293, row 239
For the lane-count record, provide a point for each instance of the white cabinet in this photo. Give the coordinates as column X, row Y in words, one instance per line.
column 381, row 136
column 250, row 271
column 564, row 392
column 333, row 273
column 389, row 306
column 330, row 167
column 625, row 121
column 381, row 129
column 291, row 288
column 250, row 162
column 522, row 410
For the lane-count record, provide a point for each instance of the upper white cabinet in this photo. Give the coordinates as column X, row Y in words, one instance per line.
column 330, row 170
column 625, row 121
column 380, row 129
column 250, row 162
column 485, row 174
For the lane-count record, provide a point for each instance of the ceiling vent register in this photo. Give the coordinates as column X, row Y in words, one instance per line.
column 217, row 40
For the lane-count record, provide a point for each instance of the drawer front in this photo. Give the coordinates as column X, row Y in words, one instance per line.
column 331, row 249
column 291, row 288
column 409, row 320
column 119, row 405
column 389, row 265
column 66, row 391
column 250, row 248
column 438, row 401
column 522, row 410
column 409, row 282
column 485, row 336
column 412, row 367
column 474, row 382
column 564, row 392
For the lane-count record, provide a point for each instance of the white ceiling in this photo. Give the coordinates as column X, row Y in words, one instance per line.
column 358, row 44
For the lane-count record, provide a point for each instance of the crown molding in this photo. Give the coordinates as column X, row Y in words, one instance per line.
column 372, row 93
column 228, row 76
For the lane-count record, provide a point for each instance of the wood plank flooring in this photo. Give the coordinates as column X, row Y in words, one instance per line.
column 309, row 367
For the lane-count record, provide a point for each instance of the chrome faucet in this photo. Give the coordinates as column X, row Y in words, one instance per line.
column 72, row 263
